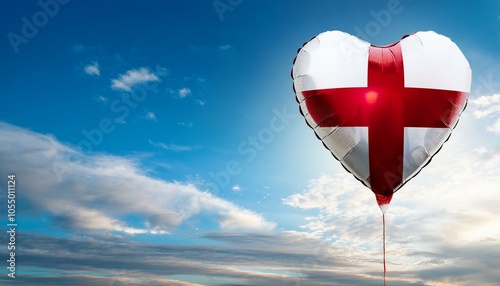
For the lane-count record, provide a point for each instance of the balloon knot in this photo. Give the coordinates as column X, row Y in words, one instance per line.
column 383, row 201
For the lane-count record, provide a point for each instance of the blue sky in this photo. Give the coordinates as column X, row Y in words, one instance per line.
column 159, row 143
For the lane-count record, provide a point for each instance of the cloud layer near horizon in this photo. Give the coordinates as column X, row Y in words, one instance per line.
column 284, row 259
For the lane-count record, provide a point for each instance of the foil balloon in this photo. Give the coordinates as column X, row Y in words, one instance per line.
column 382, row 111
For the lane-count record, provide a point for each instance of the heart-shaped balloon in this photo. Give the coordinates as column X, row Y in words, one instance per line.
column 382, row 111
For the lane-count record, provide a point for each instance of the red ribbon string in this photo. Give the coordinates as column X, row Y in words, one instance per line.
column 383, row 238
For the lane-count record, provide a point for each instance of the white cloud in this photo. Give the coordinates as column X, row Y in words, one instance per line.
column 236, row 188
column 185, row 124
column 488, row 107
column 200, row 102
column 495, row 127
column 486, row 100
column 151, row 116
column 183, row 92
column 99, row 191
column 133, row 77
column 92, row 69
column 101, row 99
column 339, row 199
column 242, row 219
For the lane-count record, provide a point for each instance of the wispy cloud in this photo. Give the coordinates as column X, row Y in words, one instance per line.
column 92, row 69
column 171, row 147
column 183, row 92
column 150, row 116
column 225, row 47
column 101, row 99
column 200, row 102
column 185, row 124
column 236, row 188
column 98, row 192
column 133, row 77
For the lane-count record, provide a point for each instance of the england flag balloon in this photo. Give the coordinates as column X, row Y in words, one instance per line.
column 382, row 111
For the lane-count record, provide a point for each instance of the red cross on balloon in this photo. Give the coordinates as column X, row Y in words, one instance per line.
column 383, row 112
